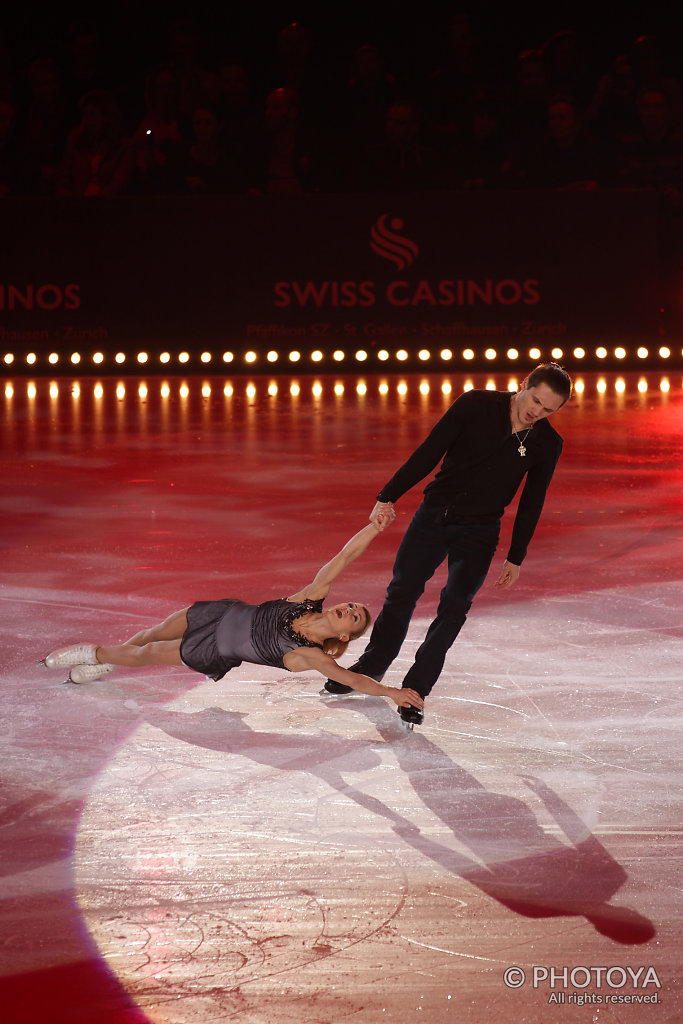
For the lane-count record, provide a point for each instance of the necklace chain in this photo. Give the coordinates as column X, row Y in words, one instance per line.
column 522, row 449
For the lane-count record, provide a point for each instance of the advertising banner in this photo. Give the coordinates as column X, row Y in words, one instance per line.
column 408, row 269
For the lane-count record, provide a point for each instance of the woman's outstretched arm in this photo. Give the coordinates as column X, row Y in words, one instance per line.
column 306, row 659
column 320, row 587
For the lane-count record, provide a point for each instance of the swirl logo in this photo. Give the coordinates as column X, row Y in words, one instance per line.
column 386, row 243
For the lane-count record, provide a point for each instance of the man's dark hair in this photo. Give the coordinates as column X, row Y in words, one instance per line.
column 554, row 375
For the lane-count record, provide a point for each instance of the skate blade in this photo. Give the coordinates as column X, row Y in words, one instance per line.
column 408, row 726
column 343, row 696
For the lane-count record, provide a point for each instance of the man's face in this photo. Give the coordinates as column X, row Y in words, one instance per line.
column 536, row 403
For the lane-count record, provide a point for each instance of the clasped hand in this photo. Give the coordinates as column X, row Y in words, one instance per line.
column 382, row 515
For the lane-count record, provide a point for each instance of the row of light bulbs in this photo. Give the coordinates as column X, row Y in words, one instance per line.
column 317, row 389
column 361, row 355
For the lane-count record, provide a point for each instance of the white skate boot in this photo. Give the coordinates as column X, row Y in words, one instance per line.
column 88, row 673
column 78, row 654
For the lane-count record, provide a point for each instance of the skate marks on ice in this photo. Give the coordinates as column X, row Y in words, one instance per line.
column 231, row 872
column 292, row 849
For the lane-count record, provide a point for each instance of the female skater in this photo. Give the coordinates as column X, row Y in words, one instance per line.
column 212, row 637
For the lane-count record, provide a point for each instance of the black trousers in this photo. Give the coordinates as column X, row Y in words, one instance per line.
column 429, row 541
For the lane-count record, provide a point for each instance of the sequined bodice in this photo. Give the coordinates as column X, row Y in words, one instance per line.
column 263, row 633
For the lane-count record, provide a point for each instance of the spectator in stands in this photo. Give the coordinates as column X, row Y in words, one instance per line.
column 480, row 159
column 282, row 166
column 98, row 159
column 308, row 74
column 295, row 48
column 527, row 115
column 196, row 84
column 566, row 69
column 453, row 87
column 368, row 95
column 358, row 122
column 612, row 110
column 400, row 162
column 240, row 110
column 652, row 157
column 649, row 70
column 209, row 168
column 567, row 158
column 158, row 139
column 46, row 126
column 87, row 68
column 162, row 105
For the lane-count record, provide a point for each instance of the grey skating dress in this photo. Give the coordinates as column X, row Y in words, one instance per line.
column 220, row 635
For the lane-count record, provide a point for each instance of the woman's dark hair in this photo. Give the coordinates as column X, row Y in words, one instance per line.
column 552, row 374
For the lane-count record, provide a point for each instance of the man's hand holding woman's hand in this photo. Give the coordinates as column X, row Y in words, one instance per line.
column 382, row 515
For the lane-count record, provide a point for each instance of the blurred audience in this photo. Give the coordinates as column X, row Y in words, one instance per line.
column 293, row 110
column 158, row 138
column 283, row 166
column 86, row 67
column 47, row 122
column 98, row 158
column 195, row 83
column 481, row 157
column 400, row 162
column 652, row 156
column 209, row 166
column 527, row 108
column 567, row 157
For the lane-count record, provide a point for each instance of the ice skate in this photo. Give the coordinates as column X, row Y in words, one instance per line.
column 410, row 717
column 88, row 673
column 334, row 689
column 77, row 654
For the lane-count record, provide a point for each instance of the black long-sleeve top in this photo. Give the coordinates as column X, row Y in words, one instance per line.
column 482, row 468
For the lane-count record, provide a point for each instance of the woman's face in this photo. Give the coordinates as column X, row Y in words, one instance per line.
column 347, row 619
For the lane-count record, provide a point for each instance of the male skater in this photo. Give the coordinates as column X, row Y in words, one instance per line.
column 489, row 441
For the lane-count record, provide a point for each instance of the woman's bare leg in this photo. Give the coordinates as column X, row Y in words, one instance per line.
column 158, row 652
column 171, row 628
